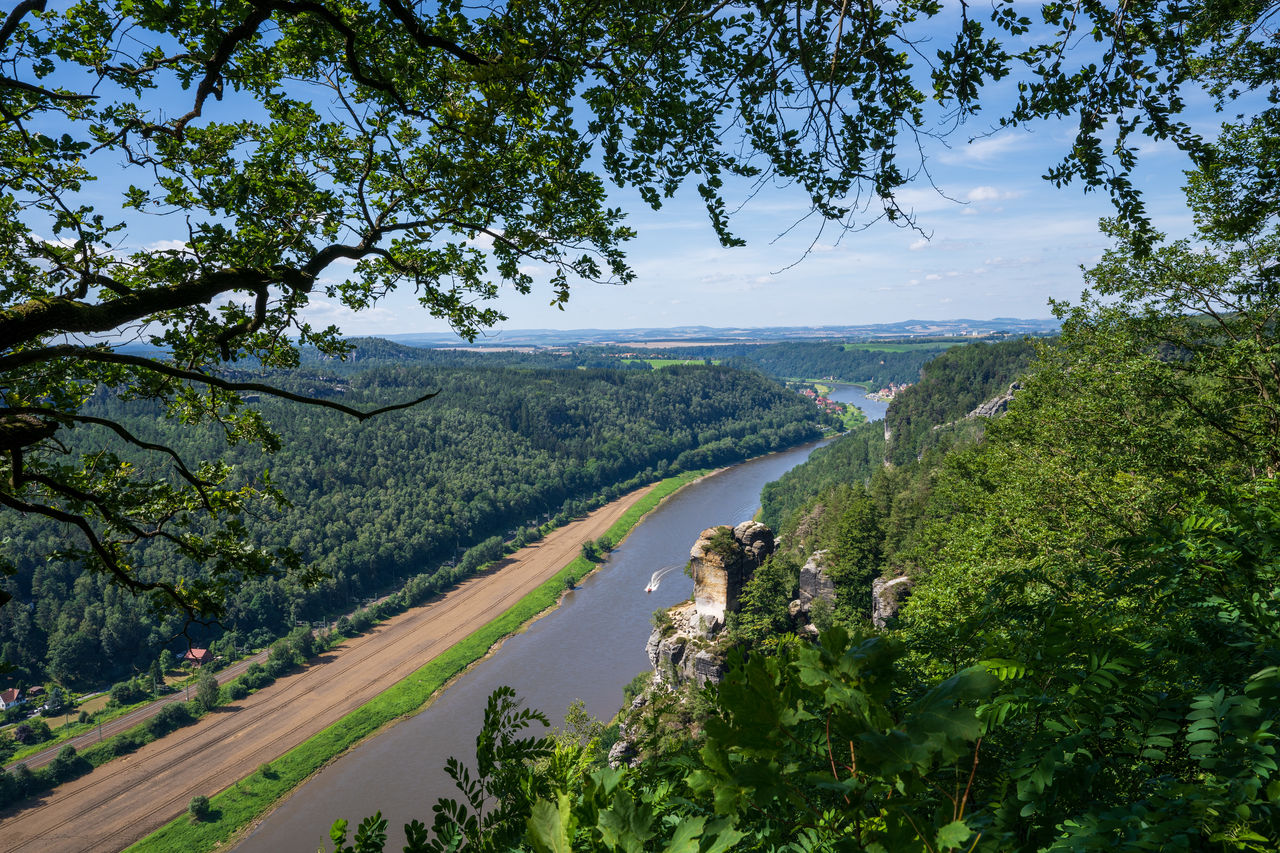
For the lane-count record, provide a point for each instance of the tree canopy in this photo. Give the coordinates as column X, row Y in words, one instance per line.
column 352, row 148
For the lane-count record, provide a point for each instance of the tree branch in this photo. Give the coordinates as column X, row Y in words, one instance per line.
column 110, row 357
column 103, row 553
column 36, row 318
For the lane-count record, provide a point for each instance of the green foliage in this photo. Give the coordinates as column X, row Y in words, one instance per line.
column 636, row 685
column 762, row 605
column 208, row 694
column 951, row 386
column 804, row 360
column 198, row 809
column 498, row 449
column 495, row 802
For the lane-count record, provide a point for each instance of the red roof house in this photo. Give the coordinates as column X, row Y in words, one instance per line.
column 199, row 657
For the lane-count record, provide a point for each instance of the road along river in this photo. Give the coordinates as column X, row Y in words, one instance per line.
column 588, row 649
column 136, row 794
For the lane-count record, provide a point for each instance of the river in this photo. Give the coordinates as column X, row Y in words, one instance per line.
column 857, row 395
column 587, row 649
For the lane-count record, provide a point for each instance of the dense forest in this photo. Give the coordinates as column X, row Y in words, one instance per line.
column 869, row 364
column 1081, row 647
column 495, row 451
column 929, row 416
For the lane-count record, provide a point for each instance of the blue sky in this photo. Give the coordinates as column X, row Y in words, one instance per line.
column 994, row 239
column 998, row 241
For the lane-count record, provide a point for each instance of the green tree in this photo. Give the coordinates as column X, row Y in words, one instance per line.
column 208, row 694
column 198, row 809
column 445, row 149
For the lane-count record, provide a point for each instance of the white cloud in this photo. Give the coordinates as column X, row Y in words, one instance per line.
column 987, row 193
column 167, row 246
column 933, row 276
column 984, row 150
column 918, row 245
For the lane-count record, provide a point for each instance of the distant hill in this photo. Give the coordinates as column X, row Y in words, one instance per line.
column 996, row 327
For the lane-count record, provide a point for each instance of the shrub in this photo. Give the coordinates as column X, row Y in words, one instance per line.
column 275, row 668
column 125, row 743
column 68, row 765
column 126, row 692
column 23, row 779
column 255, row 676
column 208, row 695
column 236, row 689
column 303, row 643
column 172, row 716
column 361, row 621
column 198, row 808
column 636, row 686
column 9, row 790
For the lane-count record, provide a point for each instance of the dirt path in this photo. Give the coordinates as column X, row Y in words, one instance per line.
column 130, row 797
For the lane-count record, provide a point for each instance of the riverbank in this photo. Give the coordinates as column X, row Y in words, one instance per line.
column 254, row 795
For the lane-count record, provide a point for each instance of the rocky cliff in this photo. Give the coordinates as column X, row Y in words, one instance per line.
column 721, row 561
column 686, row 646
column 683, row 648
column 814, row 584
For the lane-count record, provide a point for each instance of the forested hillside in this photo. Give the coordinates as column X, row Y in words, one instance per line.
column 951, row 387
column 870, row 364
column 1081, row 647
column 496, row 450
column 927, row 416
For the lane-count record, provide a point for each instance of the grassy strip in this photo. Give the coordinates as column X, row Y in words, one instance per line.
column 249, row 798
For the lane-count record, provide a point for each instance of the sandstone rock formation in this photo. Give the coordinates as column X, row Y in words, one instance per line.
column 886, row 598
column 814, row 584
column 814, row 581
column 996, row 405
column 679, row 651
column 681, row 648
column 722, row 560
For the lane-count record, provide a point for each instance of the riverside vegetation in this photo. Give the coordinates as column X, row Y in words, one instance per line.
column 1088, row 659
column 498, row 452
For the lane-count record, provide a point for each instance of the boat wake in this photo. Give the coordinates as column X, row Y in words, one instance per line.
column 659, row 575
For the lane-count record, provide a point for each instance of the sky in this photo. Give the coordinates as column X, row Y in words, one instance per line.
column 994, row 240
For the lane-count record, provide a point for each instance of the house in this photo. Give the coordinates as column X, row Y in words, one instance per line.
column 10, row 697
column 199, row 657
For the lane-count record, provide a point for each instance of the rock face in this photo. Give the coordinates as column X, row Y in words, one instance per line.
column 722, row 560
column 676, row 650
column 814, row 584
column 996, row 405
column 886, row 598
column 682, row 647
